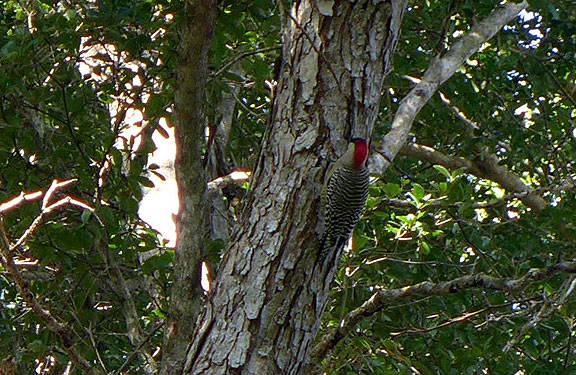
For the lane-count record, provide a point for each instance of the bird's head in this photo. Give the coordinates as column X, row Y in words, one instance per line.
column 359, row 150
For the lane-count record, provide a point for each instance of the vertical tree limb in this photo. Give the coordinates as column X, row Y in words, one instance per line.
column 186, row 300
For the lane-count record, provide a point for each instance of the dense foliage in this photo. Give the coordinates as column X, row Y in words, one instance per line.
column 76, row 76
column 425, row 222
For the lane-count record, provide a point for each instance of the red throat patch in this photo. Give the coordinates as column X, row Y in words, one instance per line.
column 360, row 153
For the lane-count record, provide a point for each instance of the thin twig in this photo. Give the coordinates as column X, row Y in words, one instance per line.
column 569, row 345
column 45, row 211
column 488, row 168
column 138, row 348
column 241, row 56
column 459, row 319
column 547, row 309
column 8, row 263
column 439, row 203
column 131, row 316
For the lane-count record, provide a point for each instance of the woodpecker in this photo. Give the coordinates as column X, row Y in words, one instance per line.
column 344, row 194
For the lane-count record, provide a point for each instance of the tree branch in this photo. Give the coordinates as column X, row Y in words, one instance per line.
column 407, row 204
column 548, row 308
column 21, row 198
column 440, row 70
column 487, row 168
column 7, row 251
column 230, row 179
column 458, row 319
column 426, row 289
column 143, row 342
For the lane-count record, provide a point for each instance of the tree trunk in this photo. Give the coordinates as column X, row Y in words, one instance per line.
column 187, row 295
column 269, row 295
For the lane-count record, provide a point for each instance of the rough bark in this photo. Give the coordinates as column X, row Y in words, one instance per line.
column 269, row 295
column 187, row 301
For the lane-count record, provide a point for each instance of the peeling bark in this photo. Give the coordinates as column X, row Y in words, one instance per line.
column 270, row 295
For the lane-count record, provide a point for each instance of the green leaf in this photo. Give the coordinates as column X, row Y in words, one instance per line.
column 392, row 190
column 443, row 187
column 86, row 214
column 443, row 171
column 161, row 261
column 146, row 182
column 417, row 191
column 9, row 50
column 424, row 247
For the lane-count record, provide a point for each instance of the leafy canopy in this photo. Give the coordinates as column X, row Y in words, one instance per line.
column 73, row 75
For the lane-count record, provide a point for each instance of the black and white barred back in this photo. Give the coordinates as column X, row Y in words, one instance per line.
column 346, row 193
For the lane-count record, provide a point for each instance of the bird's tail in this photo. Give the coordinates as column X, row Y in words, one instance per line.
column 329, row 246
